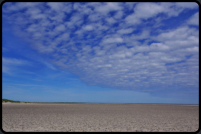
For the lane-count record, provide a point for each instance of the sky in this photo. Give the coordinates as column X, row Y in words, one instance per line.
column 124, row 52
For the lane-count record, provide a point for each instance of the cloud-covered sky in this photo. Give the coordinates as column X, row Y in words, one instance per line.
column 101, row 52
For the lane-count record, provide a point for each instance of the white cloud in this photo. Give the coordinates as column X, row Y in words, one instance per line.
column 95, row 17
column 113, row 40
column 147, row 10
column 130, row 5
column 65, row 36
column 125, row 31
column 158, row 46
column 101, row 27
column 37, row 35
column 170, row 59
column 55, row 5
column 27, row 4
column 176, row 34
column 194, row 19
column 190, row 5
column 107, row 7
column 142, row 48
column 193, row 49
column 76, row 6
column 43, row 49
column 11, row 7
column 33, row 11
column 143, row 35
column 60, row 28
column 144, row 11
column 110, row 20
column 88, row 27
column 118, row 15
column 39, row 16
column 132, row 19
column 107, row 65
column 75, row 17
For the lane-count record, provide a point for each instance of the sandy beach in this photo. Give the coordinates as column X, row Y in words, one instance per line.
column 87, row 117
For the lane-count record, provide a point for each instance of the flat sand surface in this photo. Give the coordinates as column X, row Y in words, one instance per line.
column 99, row 117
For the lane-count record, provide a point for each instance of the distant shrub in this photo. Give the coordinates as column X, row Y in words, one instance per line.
column 6, row 100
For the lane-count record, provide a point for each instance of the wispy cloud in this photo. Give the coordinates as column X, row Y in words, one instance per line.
column 13, row 61
column 11, row 64
column 49, row 65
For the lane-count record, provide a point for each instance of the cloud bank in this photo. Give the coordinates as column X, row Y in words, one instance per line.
column 117, row 45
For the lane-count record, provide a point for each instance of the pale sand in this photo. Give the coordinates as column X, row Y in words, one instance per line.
column 99, row 117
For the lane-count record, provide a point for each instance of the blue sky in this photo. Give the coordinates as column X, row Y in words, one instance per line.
column 100, row 52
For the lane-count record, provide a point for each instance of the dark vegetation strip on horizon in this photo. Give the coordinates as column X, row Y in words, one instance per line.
column 7, row 100
column 12, row 101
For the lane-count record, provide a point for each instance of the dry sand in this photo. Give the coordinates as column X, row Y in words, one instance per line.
column 99, row 117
